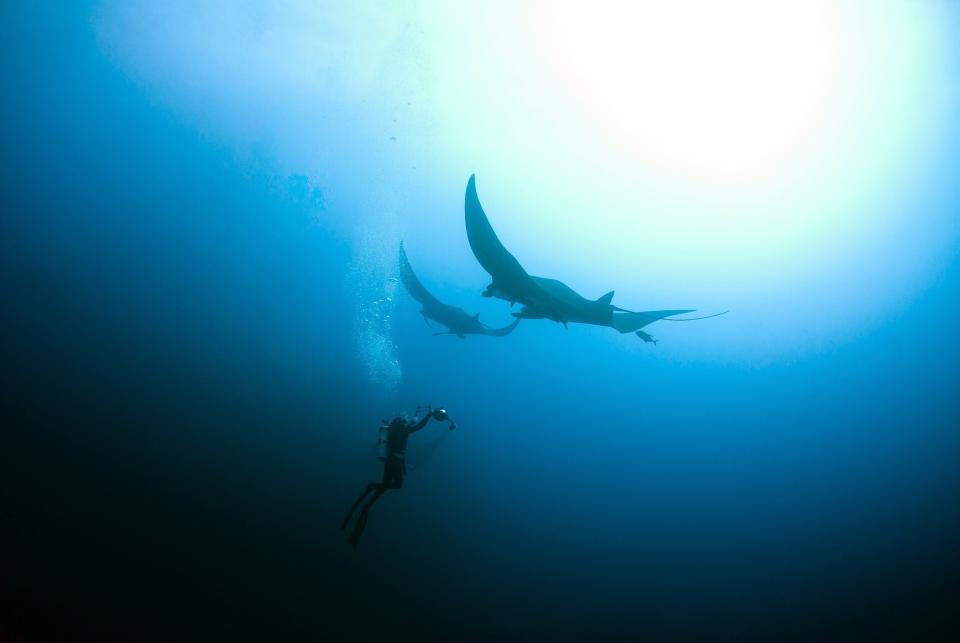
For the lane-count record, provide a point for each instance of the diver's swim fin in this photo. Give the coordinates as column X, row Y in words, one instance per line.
column 356, row 504
column 358, row 529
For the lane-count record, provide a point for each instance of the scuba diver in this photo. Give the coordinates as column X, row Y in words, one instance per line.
column 393, row 452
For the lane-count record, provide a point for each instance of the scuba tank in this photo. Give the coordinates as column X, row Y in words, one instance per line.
column 382, row 454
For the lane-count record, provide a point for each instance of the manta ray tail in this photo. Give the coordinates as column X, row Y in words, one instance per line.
column 697, row 318
column 629, row 322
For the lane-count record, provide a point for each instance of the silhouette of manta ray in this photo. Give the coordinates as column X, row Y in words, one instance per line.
column 544, row 298
column 457, row 321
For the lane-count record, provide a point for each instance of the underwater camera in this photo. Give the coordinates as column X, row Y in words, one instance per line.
column 438, row 414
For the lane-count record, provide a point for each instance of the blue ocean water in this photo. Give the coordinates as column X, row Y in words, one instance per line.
column 203, row 329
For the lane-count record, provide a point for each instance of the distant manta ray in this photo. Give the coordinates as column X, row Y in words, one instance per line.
column 544, row 298
column 457, row 321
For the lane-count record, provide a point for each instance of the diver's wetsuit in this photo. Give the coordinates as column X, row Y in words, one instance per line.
column 394, row 468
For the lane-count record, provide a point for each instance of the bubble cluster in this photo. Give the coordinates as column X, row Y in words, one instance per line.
column 372, row 274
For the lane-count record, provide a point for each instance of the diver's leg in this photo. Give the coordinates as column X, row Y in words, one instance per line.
column 362, row 518
column 363, row 495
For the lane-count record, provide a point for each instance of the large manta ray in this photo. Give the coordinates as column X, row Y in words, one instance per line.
column 544, row 298
column 457, row 321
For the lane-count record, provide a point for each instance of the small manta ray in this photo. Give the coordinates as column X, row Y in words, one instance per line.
column 457, row 321
column 544, row 298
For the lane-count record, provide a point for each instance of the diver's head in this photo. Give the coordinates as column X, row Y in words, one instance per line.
column 439, row 414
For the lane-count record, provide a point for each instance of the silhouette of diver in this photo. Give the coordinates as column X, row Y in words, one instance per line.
column 393, row 453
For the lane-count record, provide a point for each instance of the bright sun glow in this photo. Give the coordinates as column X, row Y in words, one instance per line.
column 711, row 88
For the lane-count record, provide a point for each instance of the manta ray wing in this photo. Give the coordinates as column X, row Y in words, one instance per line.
column 570, row 305
column 501, row 332
column 562, row 292
column 412, row 283
column 510, row 280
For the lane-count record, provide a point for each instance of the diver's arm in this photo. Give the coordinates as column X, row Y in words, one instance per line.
column 419, row 425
